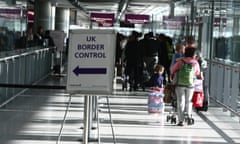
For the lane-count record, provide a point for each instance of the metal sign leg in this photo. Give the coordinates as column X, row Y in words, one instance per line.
column 86, row 119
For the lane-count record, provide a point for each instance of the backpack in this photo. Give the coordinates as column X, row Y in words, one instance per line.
column 185, row 75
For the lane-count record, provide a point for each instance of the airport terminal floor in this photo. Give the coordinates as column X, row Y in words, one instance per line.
column 43, row 116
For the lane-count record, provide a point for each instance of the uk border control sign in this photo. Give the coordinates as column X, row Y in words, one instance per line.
column 91, row 59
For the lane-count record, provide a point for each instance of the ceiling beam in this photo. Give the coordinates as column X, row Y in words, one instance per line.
column 123, row 4
column 78, row 5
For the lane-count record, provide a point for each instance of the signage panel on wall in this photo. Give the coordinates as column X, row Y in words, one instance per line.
column 176, row 22
column 136, row 18
column 91, row 61
column 10, row 13
column 103, row 19
column 217, row 21
column 30, row 16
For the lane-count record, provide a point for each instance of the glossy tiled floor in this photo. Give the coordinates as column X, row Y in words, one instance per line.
column 37, row 117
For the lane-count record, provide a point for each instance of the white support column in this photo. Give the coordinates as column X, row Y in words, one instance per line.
column 62, row 19
column 43, row 13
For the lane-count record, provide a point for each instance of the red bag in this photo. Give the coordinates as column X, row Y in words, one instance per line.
column 197, row 99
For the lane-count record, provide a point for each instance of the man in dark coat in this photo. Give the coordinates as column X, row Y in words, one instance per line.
column 134, row 62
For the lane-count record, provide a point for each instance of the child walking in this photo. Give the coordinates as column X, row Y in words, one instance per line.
column 156, row 79
column 156, row 94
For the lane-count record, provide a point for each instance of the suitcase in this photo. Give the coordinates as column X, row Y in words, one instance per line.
column 200, row 96
column 205, row 100
column 197, row 99
column 155, row 100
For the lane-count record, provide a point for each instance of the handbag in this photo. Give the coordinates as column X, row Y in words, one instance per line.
column 168, row 91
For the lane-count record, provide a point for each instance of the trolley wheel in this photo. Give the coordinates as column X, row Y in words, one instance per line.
column 173, row 120
column 168, row 118
column 197, row 110
column 124, row 85
column 190, row 121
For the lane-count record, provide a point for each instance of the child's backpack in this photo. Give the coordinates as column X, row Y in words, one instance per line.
column 185, row 75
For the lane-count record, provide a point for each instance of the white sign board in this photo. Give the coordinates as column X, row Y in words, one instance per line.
column 58, row 38
column 91, row 59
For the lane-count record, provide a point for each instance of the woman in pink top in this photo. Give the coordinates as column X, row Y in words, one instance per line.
column 184, row 93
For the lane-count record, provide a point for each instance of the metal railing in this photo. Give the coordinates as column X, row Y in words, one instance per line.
column 224, row 83
column 23, row 67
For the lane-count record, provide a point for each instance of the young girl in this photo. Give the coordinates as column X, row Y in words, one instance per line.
column 155, row 96
column 157, row 78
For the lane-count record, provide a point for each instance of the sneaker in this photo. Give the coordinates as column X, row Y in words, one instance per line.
column 180, row 124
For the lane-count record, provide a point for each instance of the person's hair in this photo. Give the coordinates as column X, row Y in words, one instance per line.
column 190, row 52
column 179, row 47
column 150, row 34
column 190, row 40
column 159, row 68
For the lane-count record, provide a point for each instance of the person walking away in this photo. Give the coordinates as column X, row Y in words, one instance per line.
column 171, row 52
column 145, row 75
column 163, row 56
column 186, row 69
column 134, row 62
column 49, row 39
column 39, row 35
column 151, row 52
column 190, row 42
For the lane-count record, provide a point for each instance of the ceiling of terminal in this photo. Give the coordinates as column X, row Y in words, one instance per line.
column 149, row 7
column 118, row 7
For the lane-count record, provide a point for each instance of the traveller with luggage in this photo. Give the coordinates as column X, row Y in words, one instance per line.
column 186, row 70
column 156, row 94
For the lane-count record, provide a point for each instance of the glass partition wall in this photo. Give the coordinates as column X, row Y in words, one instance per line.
column 217, row 26
column 13, row 24
column 218, row 20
